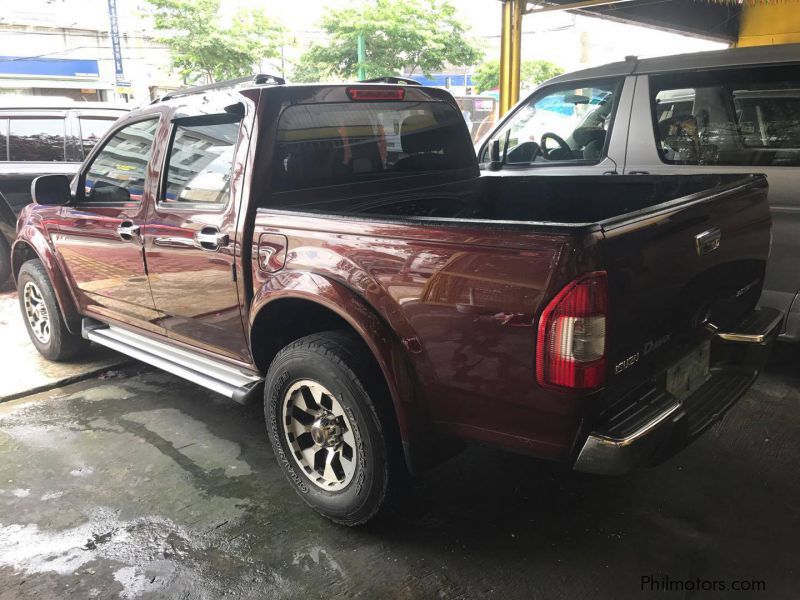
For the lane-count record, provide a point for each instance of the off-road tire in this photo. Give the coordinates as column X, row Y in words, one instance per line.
column 340, row 362
column 61, row 345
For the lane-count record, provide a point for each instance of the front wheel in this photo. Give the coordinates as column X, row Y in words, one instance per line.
column 46, row 326
column 322, row 414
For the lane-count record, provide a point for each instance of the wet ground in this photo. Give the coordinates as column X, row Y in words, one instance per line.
column 144, row 486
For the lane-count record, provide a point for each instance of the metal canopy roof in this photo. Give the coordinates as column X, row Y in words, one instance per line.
column 706, row 20
column 720, row 20
column 712, row 20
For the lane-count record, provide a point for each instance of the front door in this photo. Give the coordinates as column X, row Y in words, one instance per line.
column 191, row 236
column 574, row 128
column 100, row 233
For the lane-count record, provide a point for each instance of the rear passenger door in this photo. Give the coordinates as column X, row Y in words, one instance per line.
column 191, row 234
column 741, row 120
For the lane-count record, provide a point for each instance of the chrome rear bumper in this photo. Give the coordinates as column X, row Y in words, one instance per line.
column 655, row 425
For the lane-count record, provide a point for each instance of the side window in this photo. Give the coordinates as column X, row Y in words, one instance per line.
column 200, row 163
column 748, row 117
column 92, row 130
column 569, row 124
column 36, row 139
column 117, row 173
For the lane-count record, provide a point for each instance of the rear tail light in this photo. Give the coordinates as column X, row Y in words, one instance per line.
column 369, row 94
column 571, row 342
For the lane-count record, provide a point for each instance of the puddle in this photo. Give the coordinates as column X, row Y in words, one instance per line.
column 147, row 555
column 136, row 542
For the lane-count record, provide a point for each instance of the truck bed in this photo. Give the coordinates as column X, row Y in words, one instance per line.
column 540, row 200
column 461, row 271
column 592, row 199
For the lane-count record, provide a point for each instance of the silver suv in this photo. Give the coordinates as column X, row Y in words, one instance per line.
column 730, row 111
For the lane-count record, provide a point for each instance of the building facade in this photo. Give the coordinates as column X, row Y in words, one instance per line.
column 64, row 48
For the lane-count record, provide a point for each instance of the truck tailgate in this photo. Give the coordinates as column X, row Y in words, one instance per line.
column 673, row 270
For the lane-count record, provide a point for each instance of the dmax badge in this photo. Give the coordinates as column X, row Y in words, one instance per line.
column 649, row 346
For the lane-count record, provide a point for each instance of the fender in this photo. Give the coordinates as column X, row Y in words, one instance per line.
column 389, row 353
column 32, row 238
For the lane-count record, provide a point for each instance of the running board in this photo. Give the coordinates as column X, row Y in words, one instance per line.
column 215, row 375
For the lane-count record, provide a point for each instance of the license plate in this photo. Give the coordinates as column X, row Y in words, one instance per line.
column 689, row 373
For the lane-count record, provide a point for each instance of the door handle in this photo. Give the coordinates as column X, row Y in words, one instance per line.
column 174, row 242
column 127, row 230
column 211, row 239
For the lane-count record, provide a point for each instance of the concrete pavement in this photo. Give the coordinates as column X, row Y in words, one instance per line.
column 145, row 486
column 23, row 370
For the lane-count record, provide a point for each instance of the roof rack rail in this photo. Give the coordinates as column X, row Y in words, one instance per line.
column 392, row 79
column 259, row 79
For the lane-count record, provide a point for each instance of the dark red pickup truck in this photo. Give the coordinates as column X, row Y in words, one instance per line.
column 336, row 250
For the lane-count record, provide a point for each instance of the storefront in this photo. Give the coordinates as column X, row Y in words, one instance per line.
column 78, row 79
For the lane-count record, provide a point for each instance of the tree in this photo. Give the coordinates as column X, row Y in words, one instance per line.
column 413, row 34
column 532, row 72
column 202, row 47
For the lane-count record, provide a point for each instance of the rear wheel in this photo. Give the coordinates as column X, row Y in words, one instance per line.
column 42, row 316
column 322, row 406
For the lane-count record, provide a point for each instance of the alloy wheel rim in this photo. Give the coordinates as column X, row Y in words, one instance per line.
column 36, row 312
column 319, row 434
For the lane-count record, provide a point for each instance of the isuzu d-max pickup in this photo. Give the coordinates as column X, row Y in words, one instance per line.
column 335, row 251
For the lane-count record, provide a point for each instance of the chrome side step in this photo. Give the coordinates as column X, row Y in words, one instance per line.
column 215, row 375
column 758, row 328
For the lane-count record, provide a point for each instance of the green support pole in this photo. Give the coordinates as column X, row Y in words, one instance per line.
column 362, row 57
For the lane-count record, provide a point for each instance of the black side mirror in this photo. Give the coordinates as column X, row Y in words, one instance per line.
column 495, row 161
column 51, row 190
column 494, row 151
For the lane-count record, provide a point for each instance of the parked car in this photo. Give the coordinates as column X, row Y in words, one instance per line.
column 729, row 111
column 267, row 241
column 42, row 135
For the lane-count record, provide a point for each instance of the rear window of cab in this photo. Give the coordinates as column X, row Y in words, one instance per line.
column 348, row 142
